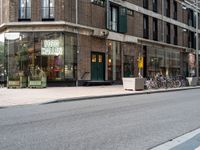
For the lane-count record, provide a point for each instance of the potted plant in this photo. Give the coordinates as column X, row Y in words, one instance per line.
column 18, row 81
column 135, row 83
column 38, row 80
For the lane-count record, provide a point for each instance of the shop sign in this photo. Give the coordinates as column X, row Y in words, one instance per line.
column 51, row 47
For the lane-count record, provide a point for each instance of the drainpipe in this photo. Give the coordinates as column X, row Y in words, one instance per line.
column 76, row 11
column 1, row 13
column 78, row 45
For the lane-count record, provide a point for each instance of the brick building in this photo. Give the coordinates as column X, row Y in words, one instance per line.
column 83, row 40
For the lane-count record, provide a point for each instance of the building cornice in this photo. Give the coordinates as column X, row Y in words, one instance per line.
column 63, row 26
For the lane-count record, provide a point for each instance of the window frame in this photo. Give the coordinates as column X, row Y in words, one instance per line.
column 46, row 14
column 26, row 9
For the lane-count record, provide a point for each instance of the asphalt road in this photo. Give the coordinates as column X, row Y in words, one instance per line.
column 120, row 123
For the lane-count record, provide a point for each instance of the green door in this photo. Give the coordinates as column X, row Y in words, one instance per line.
column 97, row 66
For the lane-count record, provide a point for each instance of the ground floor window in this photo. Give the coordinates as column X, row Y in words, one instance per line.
column 53, row 53
column 114, row 61
column 2, row 69
column 163, row 61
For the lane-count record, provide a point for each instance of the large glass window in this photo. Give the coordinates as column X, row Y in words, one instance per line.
column 53, row 53
column 24, row 9
column 2, row 68
column 47, row 9
column 114, row 61
column 70, row 56
column 164, row 61
column 114, row 18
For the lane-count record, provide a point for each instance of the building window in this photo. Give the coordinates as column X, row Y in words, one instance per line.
column 191, row 40
column 175, row 35
column 24, row 10
column 47, row 10
column 145, row 27
column 117, row 18
column 175, row 9
column 145, row 4
column 168, row 33
column 114, row 61
column 155, row 5
column 98, row 2
column 155, row 29
column 114, row 18
column 191, row 18
column 167, row 8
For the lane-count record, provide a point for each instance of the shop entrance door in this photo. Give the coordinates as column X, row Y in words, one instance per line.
column 97, row 66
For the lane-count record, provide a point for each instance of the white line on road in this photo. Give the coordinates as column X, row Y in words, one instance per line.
column 198, row 148
column 175, row 142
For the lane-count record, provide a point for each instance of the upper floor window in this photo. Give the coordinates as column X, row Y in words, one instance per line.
column 145, row 26
column 175, row 9
column 155, row 5
column 116, row 18
column 155, row 29
column 175, row 35
column 191, row 18
column 47, row 9
column 168, row 35
column 145, row 4
column 24, row 9
column 167, row 8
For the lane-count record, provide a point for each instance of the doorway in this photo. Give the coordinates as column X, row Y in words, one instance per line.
column 97, row 66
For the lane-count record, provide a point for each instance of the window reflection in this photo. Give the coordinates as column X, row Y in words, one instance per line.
column 52, row 53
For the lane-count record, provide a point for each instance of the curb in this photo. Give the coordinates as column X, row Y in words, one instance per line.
column 118, row 95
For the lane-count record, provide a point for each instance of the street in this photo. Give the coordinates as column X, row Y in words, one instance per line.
column 137, row 122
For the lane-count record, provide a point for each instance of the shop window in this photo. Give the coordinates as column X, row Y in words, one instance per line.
column 47, row 10
column 2, row 60
column 128, row 66
column 24, row 10
column 114, row 61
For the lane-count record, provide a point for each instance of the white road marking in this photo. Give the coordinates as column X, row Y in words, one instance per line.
column 175, row 142
column 198, row 148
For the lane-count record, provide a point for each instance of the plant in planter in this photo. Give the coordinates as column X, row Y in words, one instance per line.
column 38, row 80
column 18, row 81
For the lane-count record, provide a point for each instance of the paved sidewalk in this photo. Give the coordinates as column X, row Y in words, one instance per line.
column 13, row 97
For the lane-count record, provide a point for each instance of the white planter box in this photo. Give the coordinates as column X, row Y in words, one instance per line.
column 192, row 81
column 136, row 84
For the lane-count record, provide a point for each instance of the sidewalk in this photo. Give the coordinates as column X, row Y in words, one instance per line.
column 13, row 97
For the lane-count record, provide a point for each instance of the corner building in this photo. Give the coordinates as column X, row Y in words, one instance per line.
column 75, row 41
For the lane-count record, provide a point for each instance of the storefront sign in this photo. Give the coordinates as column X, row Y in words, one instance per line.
column 51, row 47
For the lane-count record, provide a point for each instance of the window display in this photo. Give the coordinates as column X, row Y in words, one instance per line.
column 29, row 54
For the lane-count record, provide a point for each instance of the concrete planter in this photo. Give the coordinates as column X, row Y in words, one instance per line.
column 39, row 82
column 136, row 84
column 192, row 81
column 17, row 83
